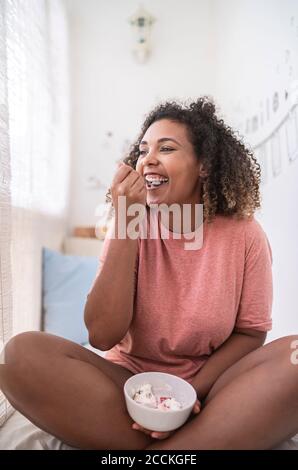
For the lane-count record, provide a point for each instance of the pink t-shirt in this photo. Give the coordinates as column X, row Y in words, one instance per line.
column 187, row 302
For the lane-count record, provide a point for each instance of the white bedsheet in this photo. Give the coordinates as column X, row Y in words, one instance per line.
column 18, row 433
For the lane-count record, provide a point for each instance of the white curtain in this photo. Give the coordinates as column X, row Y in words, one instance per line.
column 34, row 126
column 5, row 209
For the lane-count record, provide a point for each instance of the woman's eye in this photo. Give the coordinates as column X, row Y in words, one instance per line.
column 163, row 149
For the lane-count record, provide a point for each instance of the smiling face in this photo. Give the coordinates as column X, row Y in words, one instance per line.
column 169, row 165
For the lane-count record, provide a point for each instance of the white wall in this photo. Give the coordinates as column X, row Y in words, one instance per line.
column 112, row 93
column 257, row 56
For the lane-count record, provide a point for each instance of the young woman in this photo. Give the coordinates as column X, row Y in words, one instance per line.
column 155, row 306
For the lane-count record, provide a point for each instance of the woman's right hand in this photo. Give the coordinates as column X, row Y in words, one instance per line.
column 129, row 183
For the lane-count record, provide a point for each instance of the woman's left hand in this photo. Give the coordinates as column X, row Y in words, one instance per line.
column 163, row 435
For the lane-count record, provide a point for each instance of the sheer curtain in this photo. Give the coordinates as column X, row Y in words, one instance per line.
column 34, row 144
column 5, row 209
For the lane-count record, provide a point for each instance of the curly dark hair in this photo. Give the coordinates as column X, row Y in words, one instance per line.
column 232, row 185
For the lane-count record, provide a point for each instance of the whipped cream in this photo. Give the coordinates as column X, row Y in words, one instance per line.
column 144, row 395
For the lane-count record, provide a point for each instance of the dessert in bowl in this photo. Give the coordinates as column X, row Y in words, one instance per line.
column 159, row 401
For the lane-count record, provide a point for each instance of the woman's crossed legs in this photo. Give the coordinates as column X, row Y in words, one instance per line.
column 77, row 396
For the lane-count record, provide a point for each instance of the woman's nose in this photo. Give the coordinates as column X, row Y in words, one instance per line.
column 150, row 157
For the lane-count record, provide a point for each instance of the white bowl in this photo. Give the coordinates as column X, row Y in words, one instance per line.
column 155, row 419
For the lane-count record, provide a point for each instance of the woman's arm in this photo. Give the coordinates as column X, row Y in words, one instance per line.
column 109, row 307
column 240, row 343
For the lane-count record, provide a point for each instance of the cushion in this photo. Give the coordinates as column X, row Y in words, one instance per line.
column 67, row 280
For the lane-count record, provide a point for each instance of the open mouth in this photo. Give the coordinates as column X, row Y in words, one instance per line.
column 155, row 181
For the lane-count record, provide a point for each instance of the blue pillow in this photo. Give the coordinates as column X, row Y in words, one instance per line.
column 67, row 280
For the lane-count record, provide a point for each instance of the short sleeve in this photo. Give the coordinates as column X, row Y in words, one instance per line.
column 257, row 291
